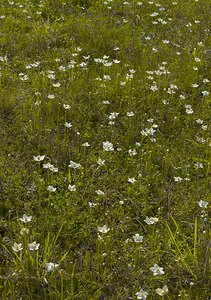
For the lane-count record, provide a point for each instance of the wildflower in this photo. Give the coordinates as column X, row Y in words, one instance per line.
column 51, row 96
column 103, row 229
column 51, row 266
column 56, row 84
column 199, row 121
column 154, row 87
column 204, row 127
column 71, row 188
column 53, row 169
column 182, row 97
column 3, row 58
column 148, row 131
column 137, row 238
column 23, row 77
column 113, row 115
column 51, row 189
column 189, row 109
column 203, row 204
column 163, row 291
column 68, row 125
column 106, row 102
column 66, row 106
column 157, row 270
column 46, row 166
column 132, row 152
column 194, row 85
column 132, row 180
column 178, row 179
column 154, row 14
column 17, row 247
column 51, row 76
column 205, row 93
column 100, row 162
column 91, row 204
column 86, row 144
column 151, row 220
column 198, row 165
column 107, row 146
column 25, row 218
column 99, row 192
column 24, row 231
column 130, row 114
column 39, row 157
column 200, row 140
column 142, row 295
column 34, row 246
column 74, row 165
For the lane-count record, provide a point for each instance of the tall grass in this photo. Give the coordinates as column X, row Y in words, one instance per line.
column 105, row 150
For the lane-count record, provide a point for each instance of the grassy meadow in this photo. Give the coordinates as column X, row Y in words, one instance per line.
column 105, row 149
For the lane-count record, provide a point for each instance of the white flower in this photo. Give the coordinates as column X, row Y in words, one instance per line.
column 204, row 127
column 86, row 144
column 130, row 114
column 91, row 204
column 198, row 165
column 178, row 179
column 142, row 295
column 51, row 266
column 189, row 109
column 51, row 188
column 194, row 85
column 154, row 14
column 39, row 157
column 100, row 162
column 163, row 291
column 68, row 125
column 132, row 180
column 74, row 165
column 154, row 87
column 66, row 106
column 24, row 231
column 137, row 238
column 113, row 115
column 34, row 246
column 107, row 146
column 148, row 131
column 17, row 247
column 151, row 220
column 205, row 93
column 203, row 204
column 51, row 96
column 25, row 218
column 132, row 152
column 71, row 188
column 53, row 169
column 199, row 121
column 99, row 192
column 103, row 229
column 46, row 166
column 56, row 84
column 157, row 270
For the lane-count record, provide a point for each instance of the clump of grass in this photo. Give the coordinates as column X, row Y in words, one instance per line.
column 106, row 150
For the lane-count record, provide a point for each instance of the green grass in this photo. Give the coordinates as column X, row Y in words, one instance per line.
column 131, row 74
